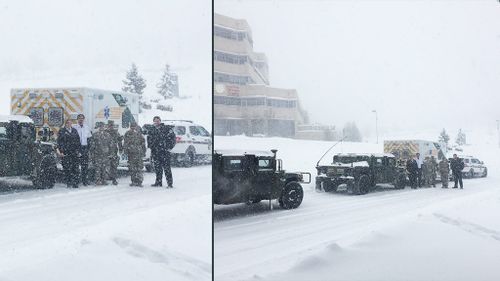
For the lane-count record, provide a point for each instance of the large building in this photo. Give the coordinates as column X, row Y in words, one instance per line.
column 244, row 103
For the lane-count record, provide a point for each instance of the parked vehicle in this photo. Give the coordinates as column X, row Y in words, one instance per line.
column 473, row 167
column 193, row 144
column 405, row 149
column 22, row 156
column 359, row 173
column 252, row 176
column 50, row 107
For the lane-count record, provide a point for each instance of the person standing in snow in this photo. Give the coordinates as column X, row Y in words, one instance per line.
column 101, row 154
column 134, row 146
column 116, row 147
column 68, row 148
column 161, row 140
column 412, row 168
column 444, row 171
column 84, row 134
column 457, row 165
column 433, row 170
column 419, row 162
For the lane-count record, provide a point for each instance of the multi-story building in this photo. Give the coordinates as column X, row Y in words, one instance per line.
column 244, row 103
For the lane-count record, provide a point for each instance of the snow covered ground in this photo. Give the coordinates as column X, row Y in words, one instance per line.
column 109, row 233
column 424, row 234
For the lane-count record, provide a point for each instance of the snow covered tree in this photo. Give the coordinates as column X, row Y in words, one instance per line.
column 134, row 83
column 167, row 83
column 444, row 137
column 351, row 132
column 461, row 138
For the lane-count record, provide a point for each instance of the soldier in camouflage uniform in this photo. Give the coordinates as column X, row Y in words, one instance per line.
column 426, row 172
column 134, row 146
column 433, row 165
column 101, row 154
column 444, row 171
column 116, row 147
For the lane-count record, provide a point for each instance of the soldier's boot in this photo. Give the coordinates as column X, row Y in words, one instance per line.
column 156, row 184
column 115, row 182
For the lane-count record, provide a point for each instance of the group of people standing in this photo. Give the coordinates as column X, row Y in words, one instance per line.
column 423, row 172
column 77, row 147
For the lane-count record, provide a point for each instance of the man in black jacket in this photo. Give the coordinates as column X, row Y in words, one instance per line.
column 68, row 147
column 412, row 168
column 161, row 139
column 457, row 165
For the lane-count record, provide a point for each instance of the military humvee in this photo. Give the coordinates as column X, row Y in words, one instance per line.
column 249, row 177
column 360, row 173
column 22, row 155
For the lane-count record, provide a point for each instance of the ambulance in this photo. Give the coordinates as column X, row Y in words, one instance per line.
column 405, row 149
column 49, row 108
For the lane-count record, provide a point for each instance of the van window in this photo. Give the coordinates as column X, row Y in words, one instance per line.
column 466, row 160
column 203, row 132
column 56, row 117
column 36, row 113
column 127, row 118
column 194, row 131
column 475, row 161
column 180, row 130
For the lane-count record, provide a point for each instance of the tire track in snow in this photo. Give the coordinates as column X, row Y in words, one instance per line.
column 280, row 236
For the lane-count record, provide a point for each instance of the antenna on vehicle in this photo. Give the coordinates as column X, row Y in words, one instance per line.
column 341, row 140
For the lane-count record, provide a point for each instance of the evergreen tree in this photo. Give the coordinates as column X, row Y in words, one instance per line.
column 461, row 138
column 134, row 83
column 351, row 132
column 444, row 137
column 166, row 84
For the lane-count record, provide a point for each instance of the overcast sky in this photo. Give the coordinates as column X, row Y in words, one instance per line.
column 422, row 65
column 57, row 37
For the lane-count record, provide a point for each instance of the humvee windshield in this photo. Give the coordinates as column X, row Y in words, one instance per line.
column 3, row 131
column 232, row 164
column 350, row 159
column 265, row 163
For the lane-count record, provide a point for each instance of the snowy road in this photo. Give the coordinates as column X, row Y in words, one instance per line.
column 424, row 234
column 109, row 233
column 256, row 242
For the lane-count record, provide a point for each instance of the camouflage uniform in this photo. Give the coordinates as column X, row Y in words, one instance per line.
column 102, row 142
column 433, row 170
column 426, row 172
column 134, row 146
column 444, row 171
column 116, row 146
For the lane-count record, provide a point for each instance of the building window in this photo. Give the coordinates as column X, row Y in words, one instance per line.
column 229, row 34
column 281, row 103
column 230, row 58
column 227, row 100
column 232, row 79
column 253, row 101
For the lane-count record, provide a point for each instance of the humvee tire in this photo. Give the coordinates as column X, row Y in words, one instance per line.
column 400, row 182
column 292, row 196
column 46, row 173
column 363, row 185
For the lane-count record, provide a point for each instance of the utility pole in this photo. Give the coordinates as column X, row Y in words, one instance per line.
column 376, row 123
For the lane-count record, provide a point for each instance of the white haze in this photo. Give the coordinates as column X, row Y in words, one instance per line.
column 423, row 65
column 84, row 43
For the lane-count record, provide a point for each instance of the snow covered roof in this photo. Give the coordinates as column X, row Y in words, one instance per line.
column 19, row 118
column 177, row 122
column 353, row 164
column 236, row 152
column 364, row 154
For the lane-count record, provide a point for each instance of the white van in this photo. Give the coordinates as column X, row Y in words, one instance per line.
column 193, row 144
